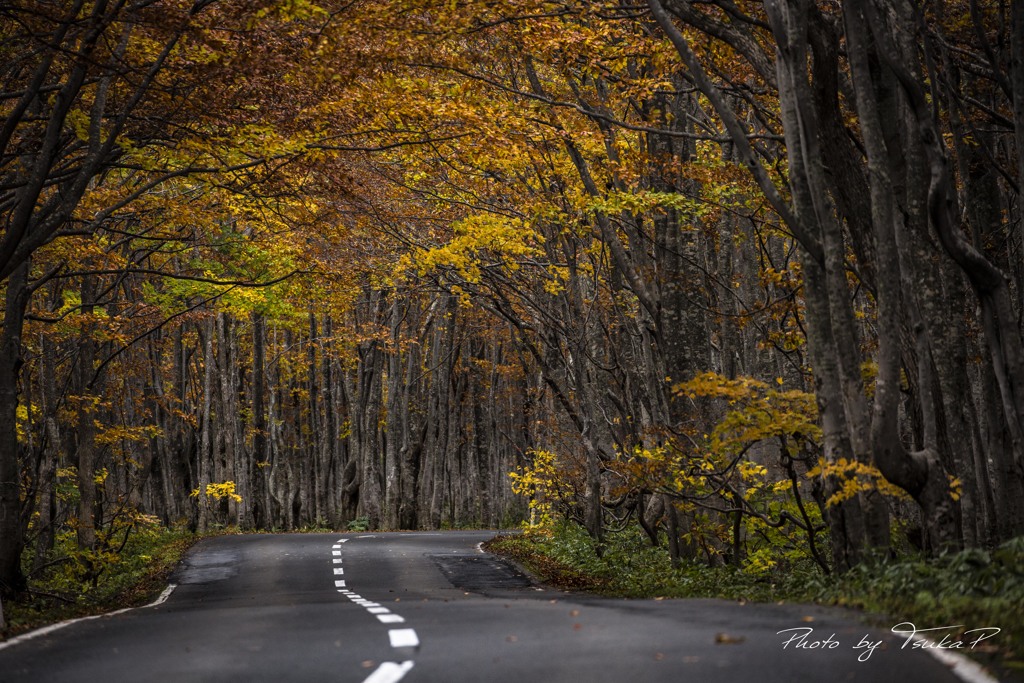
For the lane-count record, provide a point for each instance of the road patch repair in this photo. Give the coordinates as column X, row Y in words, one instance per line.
column 481, row 573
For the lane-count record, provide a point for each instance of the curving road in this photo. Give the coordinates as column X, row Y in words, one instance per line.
column 430, row 607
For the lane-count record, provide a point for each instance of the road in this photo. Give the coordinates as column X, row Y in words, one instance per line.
column 430, row 607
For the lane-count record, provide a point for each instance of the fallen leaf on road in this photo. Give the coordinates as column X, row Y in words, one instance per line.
column 726, row 639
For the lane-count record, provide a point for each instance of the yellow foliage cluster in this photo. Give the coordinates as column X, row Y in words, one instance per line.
column 759, row 411
column 537, row 482
column 114, row 434
column 853, row 477
column 219, row 491
column 478, row 237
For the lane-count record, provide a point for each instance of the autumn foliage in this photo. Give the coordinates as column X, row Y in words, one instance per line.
column 745, row 275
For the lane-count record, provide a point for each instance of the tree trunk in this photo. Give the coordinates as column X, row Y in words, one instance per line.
column 921, row 474
column 204, row 457
column 12, row 580
column 87, row 415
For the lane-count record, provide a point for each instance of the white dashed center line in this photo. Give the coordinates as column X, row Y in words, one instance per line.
column 387, row 672
column 403, row 637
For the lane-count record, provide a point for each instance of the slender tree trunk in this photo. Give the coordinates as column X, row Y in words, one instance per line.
column 1017, row 85
column 260, row 453
column 87, row 415
column 396, row 434
column 204, row 456
column 54, row 446
column 412, row 449
column 12, row 580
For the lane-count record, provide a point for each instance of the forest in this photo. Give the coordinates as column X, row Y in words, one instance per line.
column 746, row 276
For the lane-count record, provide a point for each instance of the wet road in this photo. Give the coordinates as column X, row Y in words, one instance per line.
column 431, row 607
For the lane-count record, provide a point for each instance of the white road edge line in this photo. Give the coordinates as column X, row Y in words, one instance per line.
column 339, row 584
column 403, row 637
column 389, row 672
column 390, row 619
column 964, row 668
column 162, row 598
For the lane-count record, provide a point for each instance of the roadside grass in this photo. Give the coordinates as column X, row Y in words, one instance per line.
column 971, row 589
column 129, row 578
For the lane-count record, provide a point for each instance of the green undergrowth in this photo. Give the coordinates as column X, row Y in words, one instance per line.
column 71, row 585
column 973, row 588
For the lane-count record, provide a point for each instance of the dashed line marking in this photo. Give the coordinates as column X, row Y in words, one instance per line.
column 389, row 672
column 403, row 637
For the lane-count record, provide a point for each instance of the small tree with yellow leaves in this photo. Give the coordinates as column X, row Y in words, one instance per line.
column 538, row 482
column 217, row 492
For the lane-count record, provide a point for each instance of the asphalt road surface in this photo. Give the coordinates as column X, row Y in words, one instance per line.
column 431, row 607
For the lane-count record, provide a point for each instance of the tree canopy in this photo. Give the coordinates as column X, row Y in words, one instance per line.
column 747, row 275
